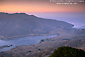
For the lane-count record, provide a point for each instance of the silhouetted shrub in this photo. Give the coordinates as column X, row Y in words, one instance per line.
column 68, row 52
column 39, row 49
column 29, row 51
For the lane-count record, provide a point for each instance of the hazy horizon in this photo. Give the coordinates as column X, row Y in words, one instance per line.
column 77, row 19
column 72, row 13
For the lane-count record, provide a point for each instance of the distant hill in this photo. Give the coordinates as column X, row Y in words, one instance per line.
column 19, row 24
column 82, row 27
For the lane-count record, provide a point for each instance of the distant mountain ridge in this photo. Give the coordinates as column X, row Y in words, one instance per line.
column 23, row 24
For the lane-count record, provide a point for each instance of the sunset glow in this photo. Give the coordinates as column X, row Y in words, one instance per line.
column 45, row 6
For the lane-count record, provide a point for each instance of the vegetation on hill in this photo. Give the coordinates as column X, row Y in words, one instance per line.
column 68, row 52
column 21, row 24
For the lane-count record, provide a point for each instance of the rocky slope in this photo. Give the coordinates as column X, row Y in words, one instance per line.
column 45, row 48
column 21, row 24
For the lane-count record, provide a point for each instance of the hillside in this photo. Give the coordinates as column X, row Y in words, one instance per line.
column 21, row 24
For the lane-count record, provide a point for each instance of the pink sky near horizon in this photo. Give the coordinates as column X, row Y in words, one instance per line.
column 44, row 8
column 38, row 6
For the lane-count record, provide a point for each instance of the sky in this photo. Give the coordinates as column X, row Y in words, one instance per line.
column 72, row 13
column 38, row 6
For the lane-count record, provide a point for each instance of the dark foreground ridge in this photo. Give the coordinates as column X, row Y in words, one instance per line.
column 68, row 52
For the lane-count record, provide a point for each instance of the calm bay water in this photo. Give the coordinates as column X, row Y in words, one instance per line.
column 30, row 40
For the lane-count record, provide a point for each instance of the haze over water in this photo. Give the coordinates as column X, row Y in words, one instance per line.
column 77, row 19
column 72, row 13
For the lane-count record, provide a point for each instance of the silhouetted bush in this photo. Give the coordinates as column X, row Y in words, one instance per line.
column 68, row 52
